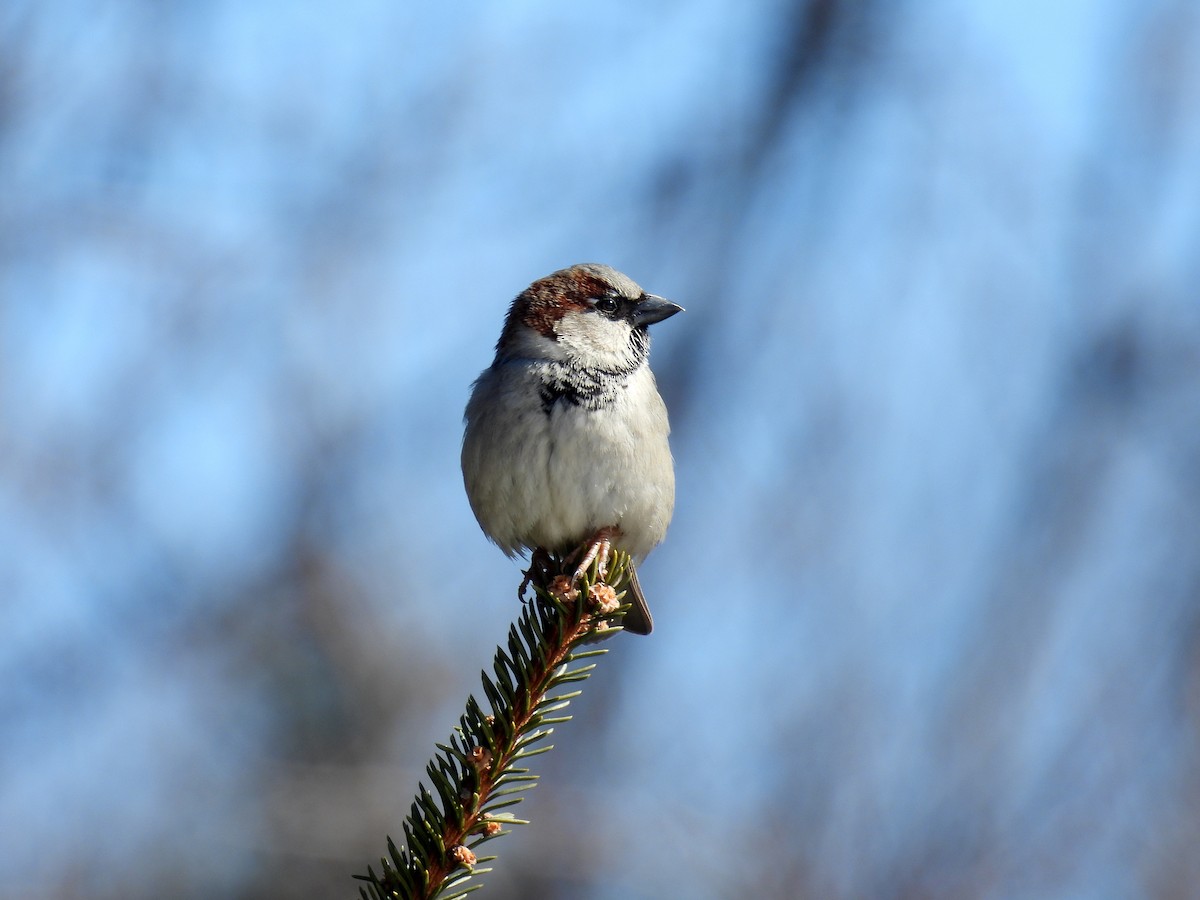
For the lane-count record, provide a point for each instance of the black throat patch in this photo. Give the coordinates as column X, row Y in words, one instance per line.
column 590, row 387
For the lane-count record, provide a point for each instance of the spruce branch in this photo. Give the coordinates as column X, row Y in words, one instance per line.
column 482, row 771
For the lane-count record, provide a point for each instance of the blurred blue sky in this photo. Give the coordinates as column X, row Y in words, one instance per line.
column 927, row 619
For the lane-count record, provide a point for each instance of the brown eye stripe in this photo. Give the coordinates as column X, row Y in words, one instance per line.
column 586, row 287
column 546, row 301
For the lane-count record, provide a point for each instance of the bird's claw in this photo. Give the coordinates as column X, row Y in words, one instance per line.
column 599, row 550
column 538, row 573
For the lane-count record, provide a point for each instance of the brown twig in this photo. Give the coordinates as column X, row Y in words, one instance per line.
column 472, row 778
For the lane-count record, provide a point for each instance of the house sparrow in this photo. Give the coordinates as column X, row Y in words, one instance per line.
column 566, row 434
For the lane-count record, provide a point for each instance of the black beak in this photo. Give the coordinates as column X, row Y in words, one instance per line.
column 650, row 309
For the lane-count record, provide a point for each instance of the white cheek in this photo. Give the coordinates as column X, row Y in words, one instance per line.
column 594, row 338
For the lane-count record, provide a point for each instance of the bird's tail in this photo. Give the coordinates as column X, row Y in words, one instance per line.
column 638, row 620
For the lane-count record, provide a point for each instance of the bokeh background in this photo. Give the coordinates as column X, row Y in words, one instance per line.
column 928, row 618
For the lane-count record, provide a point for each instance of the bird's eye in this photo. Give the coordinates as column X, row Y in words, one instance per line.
column 608, row 304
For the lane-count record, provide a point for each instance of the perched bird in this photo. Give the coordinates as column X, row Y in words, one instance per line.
column 566, row 434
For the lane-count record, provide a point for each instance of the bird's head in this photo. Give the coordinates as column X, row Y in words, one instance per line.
column 588, row 314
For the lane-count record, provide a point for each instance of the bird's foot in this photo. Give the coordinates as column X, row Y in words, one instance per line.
column 598, row 550
column 541, row 567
